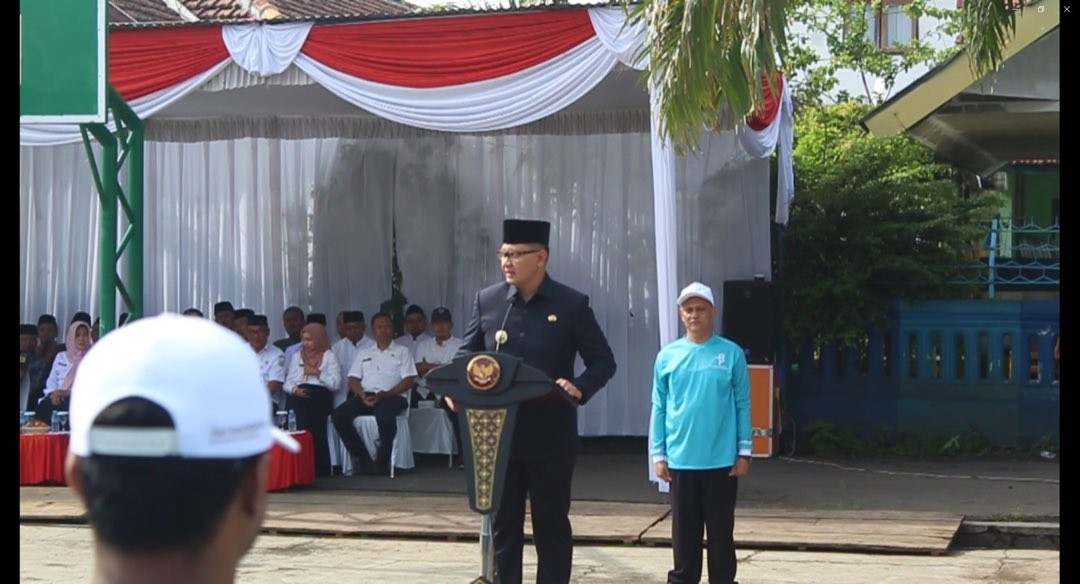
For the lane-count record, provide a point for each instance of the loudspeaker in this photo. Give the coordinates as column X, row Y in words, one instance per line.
column 749, row 318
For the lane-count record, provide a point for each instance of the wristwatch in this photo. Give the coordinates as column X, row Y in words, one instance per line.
column 746, row 458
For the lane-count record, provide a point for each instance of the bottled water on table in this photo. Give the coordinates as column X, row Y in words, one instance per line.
column 55, row 426
column 292, row 420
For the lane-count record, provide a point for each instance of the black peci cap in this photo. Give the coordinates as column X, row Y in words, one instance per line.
column 526, row 231
column 353, row 316
column 224, row 306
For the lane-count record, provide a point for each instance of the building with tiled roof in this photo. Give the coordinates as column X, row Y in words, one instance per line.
column 144, row 12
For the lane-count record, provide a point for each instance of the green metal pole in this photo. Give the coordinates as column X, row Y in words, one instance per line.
column 134, row 157
column 108, row 226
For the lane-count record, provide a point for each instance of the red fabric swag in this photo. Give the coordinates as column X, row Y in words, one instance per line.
column 147, row 60
column 765, row 116
column 443, row 51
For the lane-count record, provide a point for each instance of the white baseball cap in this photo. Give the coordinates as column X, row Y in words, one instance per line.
column 201, row 373
column 695, row 290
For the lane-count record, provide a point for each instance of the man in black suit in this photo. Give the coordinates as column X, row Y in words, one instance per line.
column 547, row 324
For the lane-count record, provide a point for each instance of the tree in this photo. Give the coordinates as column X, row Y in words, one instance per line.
column 707, row 57
column 876, row 220
column 843, row 28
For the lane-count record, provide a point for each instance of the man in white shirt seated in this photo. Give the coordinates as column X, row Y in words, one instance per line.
column 348, row 348
column 353, row 340
column 415, row 329
column 377, row 381
column 271, row 360
column 434, row 352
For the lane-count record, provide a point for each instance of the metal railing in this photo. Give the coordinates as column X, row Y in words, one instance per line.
column 1017, row 253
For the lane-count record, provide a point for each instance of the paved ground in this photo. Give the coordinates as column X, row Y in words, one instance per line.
column 313, row 560
column 979, row 489
column 1024, row 490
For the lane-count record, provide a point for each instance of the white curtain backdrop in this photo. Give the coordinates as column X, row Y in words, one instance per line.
column 352, row 224
column 225, row 220
column 267, row 223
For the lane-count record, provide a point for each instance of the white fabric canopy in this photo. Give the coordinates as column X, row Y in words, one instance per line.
column 267, row 223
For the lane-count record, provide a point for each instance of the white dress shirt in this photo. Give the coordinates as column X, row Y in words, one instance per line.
column 329, row 372
column 272, row 366
column 406, row 340
column 432, row 352
column 61, row 366
column 346, row 353
column 380, row 370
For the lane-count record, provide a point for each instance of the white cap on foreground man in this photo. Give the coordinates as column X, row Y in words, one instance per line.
column 170, row 440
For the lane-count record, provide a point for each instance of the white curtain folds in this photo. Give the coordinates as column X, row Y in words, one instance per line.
column 265, row 50
column 270, row 223
column 492, row 104
column 778, row 135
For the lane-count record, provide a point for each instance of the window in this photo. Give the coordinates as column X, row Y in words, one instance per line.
column 888, row 25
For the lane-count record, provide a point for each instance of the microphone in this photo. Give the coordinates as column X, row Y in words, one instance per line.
column 501, row 336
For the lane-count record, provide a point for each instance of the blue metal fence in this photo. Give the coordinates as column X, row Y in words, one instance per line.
column 942, row 367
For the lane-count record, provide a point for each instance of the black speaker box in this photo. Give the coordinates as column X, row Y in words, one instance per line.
column 749, row 318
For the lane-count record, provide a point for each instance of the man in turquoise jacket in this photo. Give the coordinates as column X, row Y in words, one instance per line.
column 701, row 439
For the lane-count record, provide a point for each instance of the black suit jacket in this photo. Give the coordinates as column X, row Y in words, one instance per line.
column 548, row 332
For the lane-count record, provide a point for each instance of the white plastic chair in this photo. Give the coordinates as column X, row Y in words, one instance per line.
column 401, row 452
column 432, row 432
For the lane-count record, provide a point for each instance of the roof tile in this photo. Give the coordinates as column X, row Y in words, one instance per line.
column 140, row 11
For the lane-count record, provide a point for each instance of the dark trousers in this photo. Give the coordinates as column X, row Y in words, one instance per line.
column 311, row 414
column 455, row 424
column 703, row 499
column 385, row 412
column 44, row 409
column 547, row 485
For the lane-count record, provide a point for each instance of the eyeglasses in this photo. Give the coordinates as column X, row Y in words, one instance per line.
column 514, row 255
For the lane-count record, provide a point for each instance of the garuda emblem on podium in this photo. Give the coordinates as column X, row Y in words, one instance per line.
column 483, row 372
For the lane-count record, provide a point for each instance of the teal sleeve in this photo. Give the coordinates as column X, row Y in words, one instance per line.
column 740, row 380
column 658, row 418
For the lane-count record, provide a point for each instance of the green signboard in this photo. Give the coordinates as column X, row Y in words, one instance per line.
column 62, row 61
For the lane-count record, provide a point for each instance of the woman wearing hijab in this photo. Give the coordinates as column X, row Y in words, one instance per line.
column 62, row 375
column 312, row 372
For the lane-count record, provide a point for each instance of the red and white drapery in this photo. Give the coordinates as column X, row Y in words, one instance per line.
column 473, row 73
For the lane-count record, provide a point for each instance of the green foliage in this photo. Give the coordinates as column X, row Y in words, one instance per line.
column 987, row 26
column 708, row 58
column 874, row 220
column 1048, row 443
column 842, row 25
column 825, row 439
column 395, row 305
column 970, row 442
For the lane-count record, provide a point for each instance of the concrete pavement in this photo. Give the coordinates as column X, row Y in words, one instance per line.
column 979, row 489
column 314, row 560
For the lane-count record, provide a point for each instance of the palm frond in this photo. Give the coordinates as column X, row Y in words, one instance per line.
column 707, row 59
column 987, row 27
